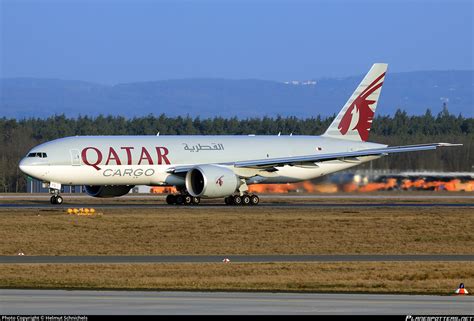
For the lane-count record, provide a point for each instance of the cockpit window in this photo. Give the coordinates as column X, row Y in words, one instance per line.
column 40, row 155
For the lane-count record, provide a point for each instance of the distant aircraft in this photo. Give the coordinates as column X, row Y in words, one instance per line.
column 214, row 166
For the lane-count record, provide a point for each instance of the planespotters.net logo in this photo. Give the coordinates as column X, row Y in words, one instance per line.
column 438, row 318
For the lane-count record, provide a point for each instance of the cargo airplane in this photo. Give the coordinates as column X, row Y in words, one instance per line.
column 214, row 166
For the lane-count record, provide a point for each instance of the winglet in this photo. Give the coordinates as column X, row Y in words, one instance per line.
column 448, row 144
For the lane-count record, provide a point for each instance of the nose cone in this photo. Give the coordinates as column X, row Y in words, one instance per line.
column 24, row 166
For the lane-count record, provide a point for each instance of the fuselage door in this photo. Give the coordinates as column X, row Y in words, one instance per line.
column 75, row 157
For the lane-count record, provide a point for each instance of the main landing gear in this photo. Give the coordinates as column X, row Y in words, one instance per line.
column 236, row 200
column 182, row 199
column 246, row 199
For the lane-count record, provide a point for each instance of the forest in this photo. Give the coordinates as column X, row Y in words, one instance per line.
column 18, row 136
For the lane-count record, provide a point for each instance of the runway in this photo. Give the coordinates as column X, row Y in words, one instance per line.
column 147, row 201
column 215, row 206
column 232, row 258
column 58, row 302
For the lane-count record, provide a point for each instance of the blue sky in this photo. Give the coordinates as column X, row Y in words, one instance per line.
column 111, row 42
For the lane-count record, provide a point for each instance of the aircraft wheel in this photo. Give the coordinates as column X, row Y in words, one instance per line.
column 179, row 199
column 196, row 200
column 59, row 200
column 254, row 200
column 170, row 199
column 53, row 199
column 187, row 199
column 237, row 200
column 246, row 200
column 228, row 200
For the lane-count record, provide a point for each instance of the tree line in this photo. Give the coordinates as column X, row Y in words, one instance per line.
column 18, row 136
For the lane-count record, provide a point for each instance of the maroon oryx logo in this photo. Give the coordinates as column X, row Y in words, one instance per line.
column 361, row 108
column 220, row 181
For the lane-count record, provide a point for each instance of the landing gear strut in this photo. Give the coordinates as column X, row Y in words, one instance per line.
column 246, row 199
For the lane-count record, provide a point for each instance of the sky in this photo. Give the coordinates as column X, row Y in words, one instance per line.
column 117, row 41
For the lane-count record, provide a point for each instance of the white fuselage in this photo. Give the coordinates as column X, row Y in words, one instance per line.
column 148, row 160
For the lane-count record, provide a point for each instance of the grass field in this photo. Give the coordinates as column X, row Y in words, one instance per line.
column 230, row 231
column 368, row 277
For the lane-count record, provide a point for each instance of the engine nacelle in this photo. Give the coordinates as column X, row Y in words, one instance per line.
column 210, row 181
column 107, row 191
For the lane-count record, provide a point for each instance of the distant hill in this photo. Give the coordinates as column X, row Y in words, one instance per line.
column 411, row 91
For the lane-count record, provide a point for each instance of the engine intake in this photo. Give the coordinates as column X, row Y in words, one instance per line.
column 107, row 191
column 211, row 181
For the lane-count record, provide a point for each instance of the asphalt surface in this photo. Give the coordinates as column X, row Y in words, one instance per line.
column 33, row 302
column 214, row 206
column 232, row 258
column 35, row 201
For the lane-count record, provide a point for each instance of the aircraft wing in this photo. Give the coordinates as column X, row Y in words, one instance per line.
column 295, row 160
column 274, row 162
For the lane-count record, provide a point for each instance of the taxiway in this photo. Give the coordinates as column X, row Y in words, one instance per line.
column 33, row 302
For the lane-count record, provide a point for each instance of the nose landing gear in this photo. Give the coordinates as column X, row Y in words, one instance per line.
column 56, row 198
column 55, row 188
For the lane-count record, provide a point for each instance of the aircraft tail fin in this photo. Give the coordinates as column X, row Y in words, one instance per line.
column 355, row 119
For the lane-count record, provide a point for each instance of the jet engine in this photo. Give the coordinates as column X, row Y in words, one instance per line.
column 211, row 181
column 107, row 191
